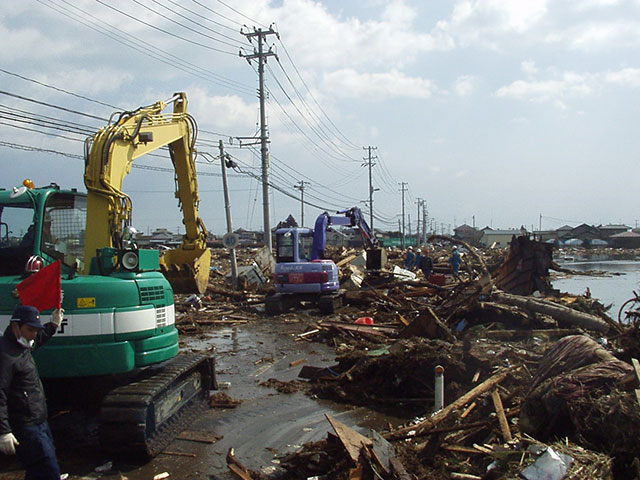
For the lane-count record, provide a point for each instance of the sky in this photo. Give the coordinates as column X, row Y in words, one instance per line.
column 495, row 113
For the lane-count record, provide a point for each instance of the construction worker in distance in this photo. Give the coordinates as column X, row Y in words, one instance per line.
column 24, row 428
column 455, row 260
column 409, row 259
column 426, row 264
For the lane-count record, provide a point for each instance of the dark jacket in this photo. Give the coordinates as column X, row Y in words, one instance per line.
column 22, row 400
column 426, row 265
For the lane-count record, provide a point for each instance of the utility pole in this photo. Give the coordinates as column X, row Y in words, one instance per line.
column 226, row 161
column 418, row 233
column 369, row 162
column 424, row 221
column 300, row 186
column 403, row 189
column 261, row 55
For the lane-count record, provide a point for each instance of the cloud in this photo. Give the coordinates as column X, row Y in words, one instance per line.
column 376, row 86
column 569, row 84
column 464, row 85
column 100, row 80
column 601, row 35
column 484, row 21
column 227, row 113
column 628, row 77
column 529, row 67
column 392, row 40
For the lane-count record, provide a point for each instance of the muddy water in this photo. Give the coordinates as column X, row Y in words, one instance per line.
column 261, row 429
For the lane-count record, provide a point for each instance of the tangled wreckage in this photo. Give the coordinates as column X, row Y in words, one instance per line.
column 497, row 375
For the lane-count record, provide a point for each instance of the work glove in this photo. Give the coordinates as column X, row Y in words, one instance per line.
column 56, row 316
column 8, row 444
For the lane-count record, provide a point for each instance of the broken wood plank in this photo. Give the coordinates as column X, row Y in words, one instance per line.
column 502, row 419
column 202, row 437
column 636, row 367
column 558, row 312
column 525, row 333
column 359, row 327
column 297, row 362
column 463, row 476
column 346, row 260
column 179, row 454
column 461, row 449
column 236, row 467
column 351, row 439
column 430, row 423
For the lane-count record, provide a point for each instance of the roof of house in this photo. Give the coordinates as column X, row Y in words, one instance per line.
column 626, row 235
column 613, row 227
column 502, row 232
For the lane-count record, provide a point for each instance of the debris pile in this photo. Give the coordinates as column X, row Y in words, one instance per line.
column 535, row 383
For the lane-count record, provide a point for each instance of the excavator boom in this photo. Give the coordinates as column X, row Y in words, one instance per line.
column 109, row 156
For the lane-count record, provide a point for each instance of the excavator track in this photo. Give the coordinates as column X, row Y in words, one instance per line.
column 139, row 419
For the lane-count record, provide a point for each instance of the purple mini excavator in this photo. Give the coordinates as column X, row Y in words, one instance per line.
column 303, row 274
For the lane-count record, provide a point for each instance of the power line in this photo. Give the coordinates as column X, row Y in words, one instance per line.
column 57, row 88
column 162, row 30
column 236, row 45
column 144, row 47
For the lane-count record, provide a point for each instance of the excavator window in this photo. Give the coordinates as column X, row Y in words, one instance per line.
column 16, row 237
column 63, row 228
column 284, row 249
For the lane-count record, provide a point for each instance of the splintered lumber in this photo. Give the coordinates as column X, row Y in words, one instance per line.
column 430, row 423
column 351, row 439
column 558, row 312
column 346, row 260
column 463, row 476
column 236, row 467
column 502, row 419
column 359, row 327
column 524, row 333
column 427, row 324
column 636, row 369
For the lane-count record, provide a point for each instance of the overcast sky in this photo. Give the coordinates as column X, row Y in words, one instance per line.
column 502, row 113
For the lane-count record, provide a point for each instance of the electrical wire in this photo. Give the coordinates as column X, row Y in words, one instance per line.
column 143, row 47
column 162, row 30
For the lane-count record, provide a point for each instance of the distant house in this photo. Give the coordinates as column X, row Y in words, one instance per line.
column 247, row 237
column 625, row 240
column 467, row 233
column 500, row 238
column 563, row 232
column 585, row 233
column 608, row 231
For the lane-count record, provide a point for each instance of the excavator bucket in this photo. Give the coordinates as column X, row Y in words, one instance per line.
column 187, row 270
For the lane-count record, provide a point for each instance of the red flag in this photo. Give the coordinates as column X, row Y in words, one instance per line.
column 42, row 289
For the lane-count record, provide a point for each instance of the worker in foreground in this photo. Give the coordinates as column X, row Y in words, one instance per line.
column 24, row 428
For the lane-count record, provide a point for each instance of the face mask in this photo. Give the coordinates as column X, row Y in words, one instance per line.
column 25, row 343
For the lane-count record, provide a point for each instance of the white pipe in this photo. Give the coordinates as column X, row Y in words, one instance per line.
column 439, row 388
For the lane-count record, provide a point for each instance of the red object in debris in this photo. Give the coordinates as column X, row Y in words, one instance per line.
column 365, row 321
column 437, row 279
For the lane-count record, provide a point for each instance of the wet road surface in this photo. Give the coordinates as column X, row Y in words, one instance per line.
column 265, row 426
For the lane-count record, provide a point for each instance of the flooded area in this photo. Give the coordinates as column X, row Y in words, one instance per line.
column 623, row 277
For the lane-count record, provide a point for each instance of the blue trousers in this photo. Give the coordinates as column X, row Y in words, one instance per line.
column 36, row 452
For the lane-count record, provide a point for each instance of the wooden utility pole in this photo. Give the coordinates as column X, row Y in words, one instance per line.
column 403, row 188
column 300, row 186
column 369, row 162
column 225, row 162
column 261, row 55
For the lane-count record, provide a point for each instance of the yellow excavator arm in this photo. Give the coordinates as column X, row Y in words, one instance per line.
column 109, row 155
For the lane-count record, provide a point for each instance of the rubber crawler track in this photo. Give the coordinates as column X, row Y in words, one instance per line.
column 127, row 426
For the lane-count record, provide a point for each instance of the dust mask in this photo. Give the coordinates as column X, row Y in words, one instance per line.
column 25, row 343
